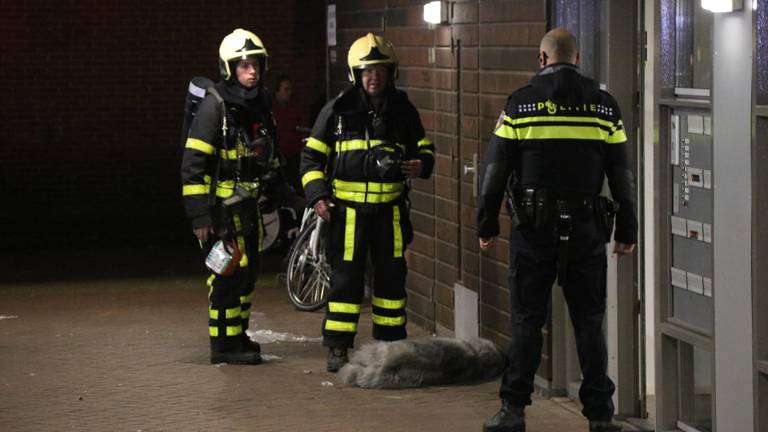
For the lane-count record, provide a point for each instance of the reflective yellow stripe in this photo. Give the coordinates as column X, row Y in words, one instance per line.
column 241, row 246
column 209, row 282
column 508, row 119
column 398, row 231
column 228, row 154
column 246, row 299
column 575, row 132
column 311, row 175
column 213, row 331
column 618, row 136
column 233, row 313
column 340, row 326
column 388, row 304
column 388, row 321
column 245, row 314
column 362, row 197
column 213, row 314
column 349, row 308
column 370, row 187
column 358, row 144
column 197, row 189
column 349, row 235
column 424, row 142
column 587, row 121
column 317, row 145
column 234, row 330
column 426, row 151
column 199, row 145
column 505, row 131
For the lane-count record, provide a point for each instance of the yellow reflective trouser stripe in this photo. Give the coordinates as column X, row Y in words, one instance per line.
column 311, row 175
column 388, row 321
column 209, row 283
column 224, row 189
column 398, row 232
column 426, row 151
column 370, row 187
column 246, row 299
column 387, row 303
column 349, row 235
column 349, row 308
column 340, row 326
column 194, row 189
column 424, row 142
column 231, row 331
column 228, row 154
column 200, row 145
column 316, row 144
column 229, row 313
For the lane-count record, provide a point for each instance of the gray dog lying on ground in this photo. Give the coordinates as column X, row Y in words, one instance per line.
column 418, row 362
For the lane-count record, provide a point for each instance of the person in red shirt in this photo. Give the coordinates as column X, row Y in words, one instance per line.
column 288, row 115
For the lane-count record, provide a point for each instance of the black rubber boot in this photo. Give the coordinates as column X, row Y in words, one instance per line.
column 250, row 345
column 604, row 426
column 510, row 418
column 337, row 357
column 233, row 351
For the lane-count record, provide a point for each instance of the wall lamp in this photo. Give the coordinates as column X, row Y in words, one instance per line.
column 719, row 6
column 436, row 12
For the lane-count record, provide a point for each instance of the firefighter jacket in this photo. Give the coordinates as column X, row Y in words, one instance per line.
column 239, row 158
column 563, row 134
column 353, row 152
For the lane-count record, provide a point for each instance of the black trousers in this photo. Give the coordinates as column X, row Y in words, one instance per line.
column 532, row 271
column 229, row 297
column 352, row 234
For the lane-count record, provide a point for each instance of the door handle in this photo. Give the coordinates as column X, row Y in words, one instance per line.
column 472, row 169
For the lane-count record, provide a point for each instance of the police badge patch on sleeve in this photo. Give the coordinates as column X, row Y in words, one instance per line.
column 500, row 121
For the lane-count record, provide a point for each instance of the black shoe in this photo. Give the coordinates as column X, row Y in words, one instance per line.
column 250, row 345
column 337, row 357
column 604, row 426
column 240, row 356
column 510, row 418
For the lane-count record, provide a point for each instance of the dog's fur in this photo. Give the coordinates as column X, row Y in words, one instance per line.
column 419, row 362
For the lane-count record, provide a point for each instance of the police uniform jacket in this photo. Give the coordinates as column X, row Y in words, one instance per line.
column 248, row 117
column 563, row 134
column 353, row 152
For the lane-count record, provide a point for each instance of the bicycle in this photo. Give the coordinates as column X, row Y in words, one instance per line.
column 308, row 273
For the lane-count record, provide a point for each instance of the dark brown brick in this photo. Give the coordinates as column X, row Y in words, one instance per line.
column 420, row 285
column 445, row 79
column 412, row 56
column 469, row 81
column 469, row 126
column 446, row 231
column 503, row 83
column 444, row 316
column 423, row 223
column 495, row 319
column 469, row 104
column 497, row 295
column 445, row 101
column 444, row 165
column 422, row 202
column 404, row 37
column 446, row 188
column 423, row 244
column 512, row 59
column 422, row 264
column 445, row 209
column 512, row 11
column 466, row 12
column 444, row 289
column 415, row 77
column 445, row 123
column 446, row 252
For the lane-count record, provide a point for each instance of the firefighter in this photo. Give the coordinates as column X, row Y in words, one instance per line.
column 228, row 152
column 554, row 143
column 363, row 147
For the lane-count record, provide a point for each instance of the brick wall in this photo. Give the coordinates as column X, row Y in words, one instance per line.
column 92, row 105
column 498, row 40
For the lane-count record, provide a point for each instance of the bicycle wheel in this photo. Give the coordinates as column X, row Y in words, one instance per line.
column 308, row 275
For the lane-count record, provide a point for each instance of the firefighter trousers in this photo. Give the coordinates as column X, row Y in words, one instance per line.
column 229, row 297
column 533, row 265
column 352, row 235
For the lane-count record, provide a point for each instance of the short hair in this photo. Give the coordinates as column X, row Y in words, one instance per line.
column 280, row 79
column 560, row 45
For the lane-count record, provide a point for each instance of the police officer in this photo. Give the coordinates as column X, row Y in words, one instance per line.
column 554, row 143
column 228, row 151
column 364, row 145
